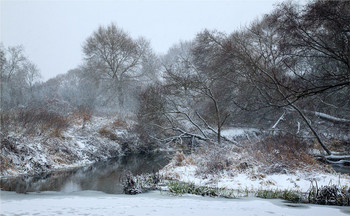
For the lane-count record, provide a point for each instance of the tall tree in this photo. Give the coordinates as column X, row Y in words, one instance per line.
column 17, row 77
column 115, row 56
column 319, row 34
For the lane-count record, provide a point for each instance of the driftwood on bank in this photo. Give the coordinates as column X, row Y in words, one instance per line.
column 335, row 159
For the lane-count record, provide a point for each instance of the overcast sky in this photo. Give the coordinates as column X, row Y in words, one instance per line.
column 52, row 32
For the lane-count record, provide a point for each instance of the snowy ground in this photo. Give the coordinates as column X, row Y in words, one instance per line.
column 232, row 133
column 154, row 203
column 300, row 181
column 238, row 168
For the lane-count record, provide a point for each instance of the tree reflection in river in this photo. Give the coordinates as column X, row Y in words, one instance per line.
column 102, row 176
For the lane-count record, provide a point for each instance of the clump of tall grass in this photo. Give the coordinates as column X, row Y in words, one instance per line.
column 324, row 195
column 179, row 188
column 289, row 195
column 329, row 195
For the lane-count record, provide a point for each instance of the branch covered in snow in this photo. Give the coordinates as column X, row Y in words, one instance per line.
column 280, row 118
column 329, row 117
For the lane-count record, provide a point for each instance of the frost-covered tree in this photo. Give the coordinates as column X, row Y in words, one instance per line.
column 115, row 57
column 17, row 77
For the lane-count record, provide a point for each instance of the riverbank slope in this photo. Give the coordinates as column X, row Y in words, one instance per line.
column 79, row 144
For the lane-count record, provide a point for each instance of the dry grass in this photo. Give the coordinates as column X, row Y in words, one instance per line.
column 37, row 121
column 105, row 132
column 180, row 159
column 5, row 164
column 120, row 123
column 81, row 117
column 337, row 145
column 280, row 154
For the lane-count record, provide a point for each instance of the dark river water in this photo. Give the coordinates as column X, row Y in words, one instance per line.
column 104, row 176
column 341, row 168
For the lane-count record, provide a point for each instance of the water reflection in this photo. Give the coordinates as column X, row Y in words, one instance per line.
column 101, row 176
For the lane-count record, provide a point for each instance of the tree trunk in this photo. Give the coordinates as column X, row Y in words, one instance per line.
column 312, row 129
column 219, row 135
column 120, row 95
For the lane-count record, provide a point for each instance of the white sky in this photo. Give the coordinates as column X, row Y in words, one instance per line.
column 52, row 32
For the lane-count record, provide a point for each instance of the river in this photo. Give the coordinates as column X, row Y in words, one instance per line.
column 104, row 176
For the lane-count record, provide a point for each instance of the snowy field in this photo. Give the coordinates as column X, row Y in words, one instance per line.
column 154, row 203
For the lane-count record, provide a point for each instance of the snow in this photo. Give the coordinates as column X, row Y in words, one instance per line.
column 231, row 133
column 80, row 144
column 300, row 181
column 154, row 203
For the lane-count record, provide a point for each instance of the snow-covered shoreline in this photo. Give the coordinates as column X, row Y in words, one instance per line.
column 77, row 146
column 258, row 165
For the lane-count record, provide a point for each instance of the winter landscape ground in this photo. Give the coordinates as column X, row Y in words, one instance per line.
column 154, row 203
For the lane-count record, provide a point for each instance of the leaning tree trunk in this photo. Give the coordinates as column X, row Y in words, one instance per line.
column 312, row 129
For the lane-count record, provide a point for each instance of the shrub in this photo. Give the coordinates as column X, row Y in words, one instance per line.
column 83, row 114
column 140, row 183
column 5, row 123
column 216, row 160
column 179, row 158
column 36, row 120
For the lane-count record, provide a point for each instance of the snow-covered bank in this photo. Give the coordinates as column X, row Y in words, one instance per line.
column 249, row 181
column 259, row 163
column 154, row 203
column 78, row 145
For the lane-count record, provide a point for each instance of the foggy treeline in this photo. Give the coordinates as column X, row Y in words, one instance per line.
column 287, row 72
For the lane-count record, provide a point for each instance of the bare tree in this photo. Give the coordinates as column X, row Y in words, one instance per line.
column 195, row 95
column 268, row 72
column 315, row 40
column 31, row 74
column 115, row 57
column 17, row 76
column 290, row 56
